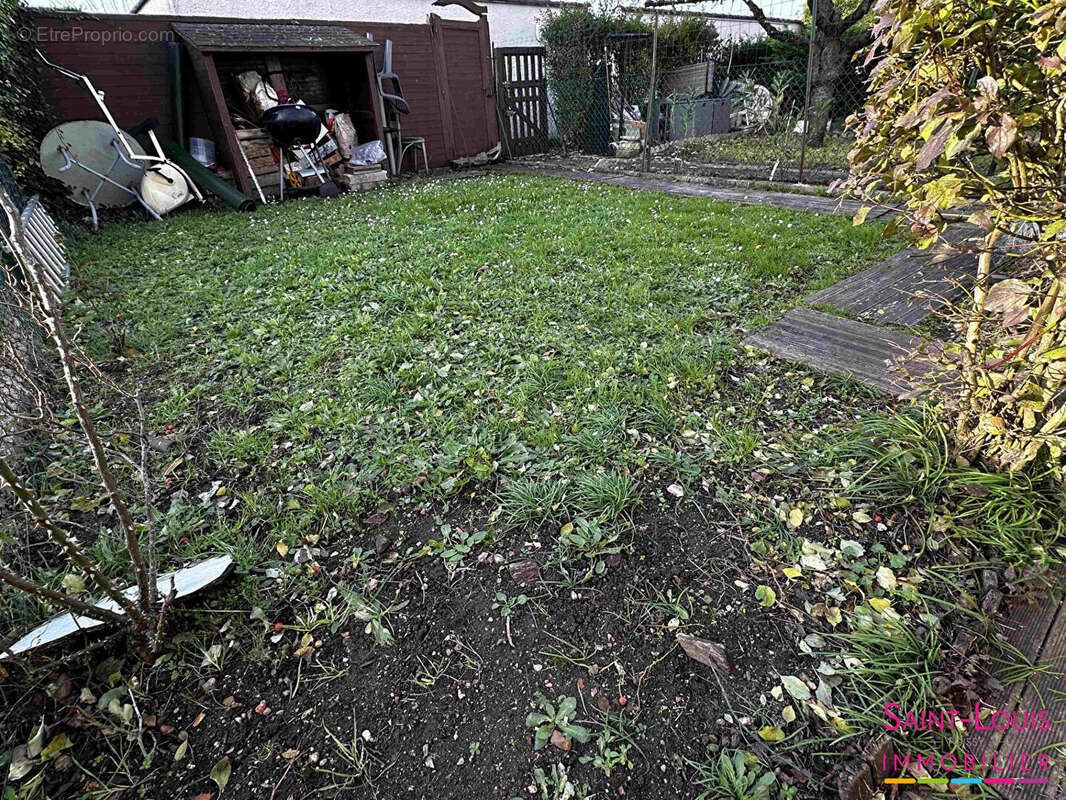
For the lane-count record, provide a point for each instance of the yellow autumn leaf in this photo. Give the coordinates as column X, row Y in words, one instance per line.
column 792, row 572
column 771, row 733
column 283, row 549
column 788, row 713
column 833, row 616
column 795, row 517
column 879, row 604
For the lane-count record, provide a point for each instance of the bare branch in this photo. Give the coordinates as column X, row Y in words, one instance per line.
column 860, row 11
column 787, row 36
column 70, row 548
column 64, row 601
column 142, row 428
column 67, row 360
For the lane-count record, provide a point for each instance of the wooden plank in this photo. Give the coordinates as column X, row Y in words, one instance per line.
column 841, row 347
column 444, row 98
column 1038, row 630
column 244, row 176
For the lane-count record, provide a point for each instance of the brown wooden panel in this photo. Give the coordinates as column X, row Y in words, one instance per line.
column 126, row 57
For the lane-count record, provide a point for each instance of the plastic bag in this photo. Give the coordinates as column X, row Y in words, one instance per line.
column 340, row 125
column 259, row 94
column 369, row 153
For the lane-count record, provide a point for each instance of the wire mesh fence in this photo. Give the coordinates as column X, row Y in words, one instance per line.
column 735, row 94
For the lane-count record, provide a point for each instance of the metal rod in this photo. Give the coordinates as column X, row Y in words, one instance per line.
column 807, row 94
column 646, row 160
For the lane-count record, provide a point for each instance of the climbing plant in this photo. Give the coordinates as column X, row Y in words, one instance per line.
column 966, row 123
column 24, row 114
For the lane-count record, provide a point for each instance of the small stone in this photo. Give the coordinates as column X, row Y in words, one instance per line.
column 161, row 443
column 524, row 572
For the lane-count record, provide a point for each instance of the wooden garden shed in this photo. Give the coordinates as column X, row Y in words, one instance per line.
column 323, row 65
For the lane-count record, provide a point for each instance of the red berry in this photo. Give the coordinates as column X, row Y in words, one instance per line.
column 622, row 700
column 877, row 518
column 277, row 627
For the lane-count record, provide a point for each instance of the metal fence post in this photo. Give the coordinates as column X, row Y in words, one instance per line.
column 807, row 94
column 646, row 160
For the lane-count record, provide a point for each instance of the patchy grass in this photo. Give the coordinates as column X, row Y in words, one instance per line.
column 765, row 149
column 474, row 442
column 544, row 340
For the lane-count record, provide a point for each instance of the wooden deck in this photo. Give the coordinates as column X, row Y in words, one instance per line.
column 902, row 290
column 1038, row 631
column 843, row 347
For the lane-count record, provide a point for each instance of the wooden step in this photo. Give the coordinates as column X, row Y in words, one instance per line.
column 843, row 347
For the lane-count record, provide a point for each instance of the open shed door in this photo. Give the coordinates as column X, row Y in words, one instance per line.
column 469, row 80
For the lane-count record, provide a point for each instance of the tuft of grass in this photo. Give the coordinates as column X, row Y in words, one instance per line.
column 607, row 495
column 529, row 501
column 907, row 460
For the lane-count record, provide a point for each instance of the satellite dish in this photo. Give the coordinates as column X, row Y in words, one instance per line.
column 94, row 146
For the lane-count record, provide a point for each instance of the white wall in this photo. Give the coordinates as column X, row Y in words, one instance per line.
column 508, row 23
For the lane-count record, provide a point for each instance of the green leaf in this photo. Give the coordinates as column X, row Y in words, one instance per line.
column 766, row 596
column 567, row 708
column 577, row 732
column 795, row 687
column 220, row 773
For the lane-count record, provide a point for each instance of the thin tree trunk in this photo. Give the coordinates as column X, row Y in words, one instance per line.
column 67, row 361
column 828, row 66
column 968, row 406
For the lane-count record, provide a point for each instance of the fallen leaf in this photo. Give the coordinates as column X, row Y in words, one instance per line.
column 796, row 687
column 283, row 549
column 60, row 742
column 771, row 733
column 183, row 748
column 886, row 578
column 795, row 517
column 676, row 490
column 879, row 604
column 766, row 596
column 833, row 616
column 220, row 773
column 710, row 653
column 788, row 713
column 560, row 740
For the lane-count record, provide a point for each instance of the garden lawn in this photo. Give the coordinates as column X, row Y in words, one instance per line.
column 471, row 442
column 456, row 335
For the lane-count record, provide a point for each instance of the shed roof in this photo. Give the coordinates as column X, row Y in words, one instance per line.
column 254, row 36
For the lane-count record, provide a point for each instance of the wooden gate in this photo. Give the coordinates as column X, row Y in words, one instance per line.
column 522, row 99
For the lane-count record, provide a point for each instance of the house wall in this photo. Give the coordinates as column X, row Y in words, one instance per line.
column 510, row 22
column 125, row 56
